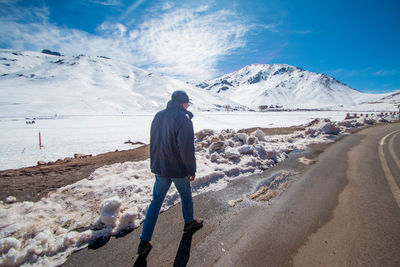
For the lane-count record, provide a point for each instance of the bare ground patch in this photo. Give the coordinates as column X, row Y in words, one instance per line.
column 274, row 131
column 32, row 183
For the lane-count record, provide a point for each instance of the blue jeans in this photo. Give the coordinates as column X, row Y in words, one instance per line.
column 160, row 190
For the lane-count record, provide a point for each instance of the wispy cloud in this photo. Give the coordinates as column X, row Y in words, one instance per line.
column 11, row 12
column 189, row 41
column 369, row 71
column 107, row 2
column 131, row 9
column 387, row 72
column 167, row 5
column 301, row 32
column 344, row 72
column 184, row 42
column 273, row 27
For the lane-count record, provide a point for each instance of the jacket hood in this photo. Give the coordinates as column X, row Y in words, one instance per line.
column 177, row 105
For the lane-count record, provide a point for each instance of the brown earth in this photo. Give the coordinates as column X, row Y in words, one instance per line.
column 33, row 183
column 274, row 131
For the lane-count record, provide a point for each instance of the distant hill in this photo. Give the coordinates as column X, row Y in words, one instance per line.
column 280, row 85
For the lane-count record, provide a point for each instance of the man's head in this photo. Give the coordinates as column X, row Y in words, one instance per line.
column 181, row 97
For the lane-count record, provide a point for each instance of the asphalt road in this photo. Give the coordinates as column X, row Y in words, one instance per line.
column 365, row 226
column 344, row 210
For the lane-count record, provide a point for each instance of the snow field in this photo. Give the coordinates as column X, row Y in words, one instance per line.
column 63, row 136
column 115, row 197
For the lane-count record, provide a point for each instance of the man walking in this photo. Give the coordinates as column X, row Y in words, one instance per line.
column 172, row 160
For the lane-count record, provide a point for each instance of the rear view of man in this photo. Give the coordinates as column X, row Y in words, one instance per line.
column 172, row 160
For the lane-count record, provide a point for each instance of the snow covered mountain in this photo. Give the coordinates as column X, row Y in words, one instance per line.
column 45, row 84
column 34, row 84
column 285, row 86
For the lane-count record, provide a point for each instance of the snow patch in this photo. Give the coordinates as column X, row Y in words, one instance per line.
column 110, row 210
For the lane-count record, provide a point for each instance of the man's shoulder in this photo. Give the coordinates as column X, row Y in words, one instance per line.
column 184, row 116
column 173, row 113
column 161, row 113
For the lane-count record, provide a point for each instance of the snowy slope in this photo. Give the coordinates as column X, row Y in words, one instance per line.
column 37, row 84
column 393, row 98
column 33, row 84
column 286, row 86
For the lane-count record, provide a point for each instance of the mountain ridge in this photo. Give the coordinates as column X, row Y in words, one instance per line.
column 42, row 84
column 283, row 84
column 34, row 83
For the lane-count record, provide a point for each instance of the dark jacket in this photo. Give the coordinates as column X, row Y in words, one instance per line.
column 172, row 142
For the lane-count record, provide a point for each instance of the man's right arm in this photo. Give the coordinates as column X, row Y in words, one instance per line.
column 185, row 140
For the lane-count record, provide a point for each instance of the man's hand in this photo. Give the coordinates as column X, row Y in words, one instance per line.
column 191, row 178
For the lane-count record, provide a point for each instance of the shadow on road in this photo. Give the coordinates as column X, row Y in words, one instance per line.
column 141, row 261
column 99, row 242
column 182, row 256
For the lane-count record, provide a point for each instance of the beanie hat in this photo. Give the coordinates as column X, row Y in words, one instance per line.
column 180, row 97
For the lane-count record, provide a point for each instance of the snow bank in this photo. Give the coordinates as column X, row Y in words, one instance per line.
column 45, row 232
column 114, row 198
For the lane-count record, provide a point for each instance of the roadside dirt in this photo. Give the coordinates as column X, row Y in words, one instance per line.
column 33, row 183
column 274, row 131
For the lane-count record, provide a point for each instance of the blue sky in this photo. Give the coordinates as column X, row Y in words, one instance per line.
column 356, row 42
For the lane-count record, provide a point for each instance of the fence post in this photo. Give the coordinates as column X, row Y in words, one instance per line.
column 40, row 141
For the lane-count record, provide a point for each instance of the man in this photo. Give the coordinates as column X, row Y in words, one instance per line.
column 172, row 160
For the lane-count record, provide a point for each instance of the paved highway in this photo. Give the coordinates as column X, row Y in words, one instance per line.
column 365, row 227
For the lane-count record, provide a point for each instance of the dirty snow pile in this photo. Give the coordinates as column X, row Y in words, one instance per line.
column 115, row 197
column 275, row 185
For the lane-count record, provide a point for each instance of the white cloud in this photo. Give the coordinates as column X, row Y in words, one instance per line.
column 37, row 36
column 131, row 8
column 301, row 32
column 167, row 5
column 271, row 27
column 368, row 71
column 117, row 30
column 185, row 42
column 108, row 2
column 10, row 11
column 386, row 72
